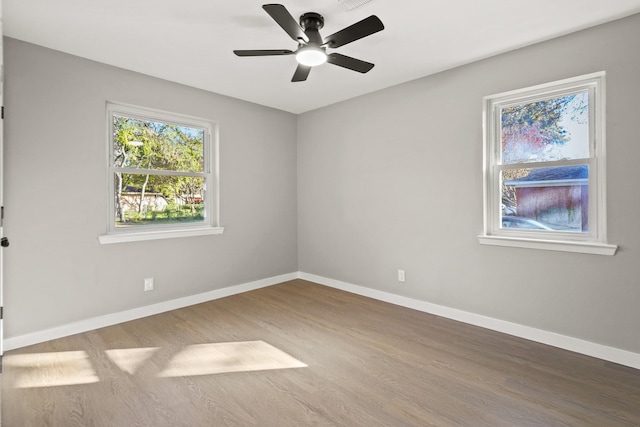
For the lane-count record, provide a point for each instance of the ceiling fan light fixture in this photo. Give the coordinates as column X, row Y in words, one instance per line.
column 311, row 56
column 312, row 46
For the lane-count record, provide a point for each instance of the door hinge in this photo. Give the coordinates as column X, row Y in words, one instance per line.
column 1, row 313
column 2, row 112
column 1, row 216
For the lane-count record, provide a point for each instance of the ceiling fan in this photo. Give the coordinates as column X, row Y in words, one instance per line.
column 312, row 48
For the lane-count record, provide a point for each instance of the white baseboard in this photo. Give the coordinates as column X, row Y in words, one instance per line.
column 576, row 345
column 137, row 313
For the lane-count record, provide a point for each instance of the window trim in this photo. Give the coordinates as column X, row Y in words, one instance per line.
column 595, row 240
column 211, row 167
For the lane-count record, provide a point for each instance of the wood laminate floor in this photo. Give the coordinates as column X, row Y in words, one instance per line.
column 301, row 354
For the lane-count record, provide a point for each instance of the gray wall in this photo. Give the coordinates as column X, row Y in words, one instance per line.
column 393, row 180
column 386, row 181
column 56, row 272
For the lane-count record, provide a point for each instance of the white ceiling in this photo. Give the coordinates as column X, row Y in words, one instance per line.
column 191, row 41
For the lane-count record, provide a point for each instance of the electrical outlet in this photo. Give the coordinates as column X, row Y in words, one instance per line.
column 148, row 284
column 401, row 277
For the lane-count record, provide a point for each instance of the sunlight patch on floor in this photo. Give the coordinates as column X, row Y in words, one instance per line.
column 131, row 359
column 218, row 358
column 50, row 369
column 67, row 368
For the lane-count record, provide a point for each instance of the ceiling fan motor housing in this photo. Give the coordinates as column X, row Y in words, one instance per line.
column 311, row 20
column 311, row 23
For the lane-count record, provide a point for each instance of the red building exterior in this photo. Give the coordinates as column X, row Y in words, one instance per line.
column 556, row 196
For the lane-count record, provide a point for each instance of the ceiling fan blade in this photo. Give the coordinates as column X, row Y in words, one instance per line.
column 263, row 52
column 349, row 62
column 301, row 74
column 354, row 32
column 281, row 15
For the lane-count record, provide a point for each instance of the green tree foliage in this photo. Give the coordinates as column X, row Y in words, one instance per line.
column 149, row 147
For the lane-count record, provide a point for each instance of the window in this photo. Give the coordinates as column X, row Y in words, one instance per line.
column 162, row 177
column 544, row 183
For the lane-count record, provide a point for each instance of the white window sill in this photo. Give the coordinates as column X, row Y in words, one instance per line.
column 157, row 234
column 549, row 245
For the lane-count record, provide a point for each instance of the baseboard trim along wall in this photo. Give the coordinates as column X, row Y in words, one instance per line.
column 137, row 313
column 576, row 345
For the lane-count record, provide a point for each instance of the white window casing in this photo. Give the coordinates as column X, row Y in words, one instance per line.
column 210, row 197
column 593, row 240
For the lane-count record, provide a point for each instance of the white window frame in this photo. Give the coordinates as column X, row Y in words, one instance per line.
column 595, row 240
column 211, row 197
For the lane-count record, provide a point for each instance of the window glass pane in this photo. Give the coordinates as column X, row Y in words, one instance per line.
column 146, row 144
column 546, row 199
column 158, row 199
column 546, row 130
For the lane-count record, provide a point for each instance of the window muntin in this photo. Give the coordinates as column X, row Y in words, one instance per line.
column 544, row 163
column 160, row 168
